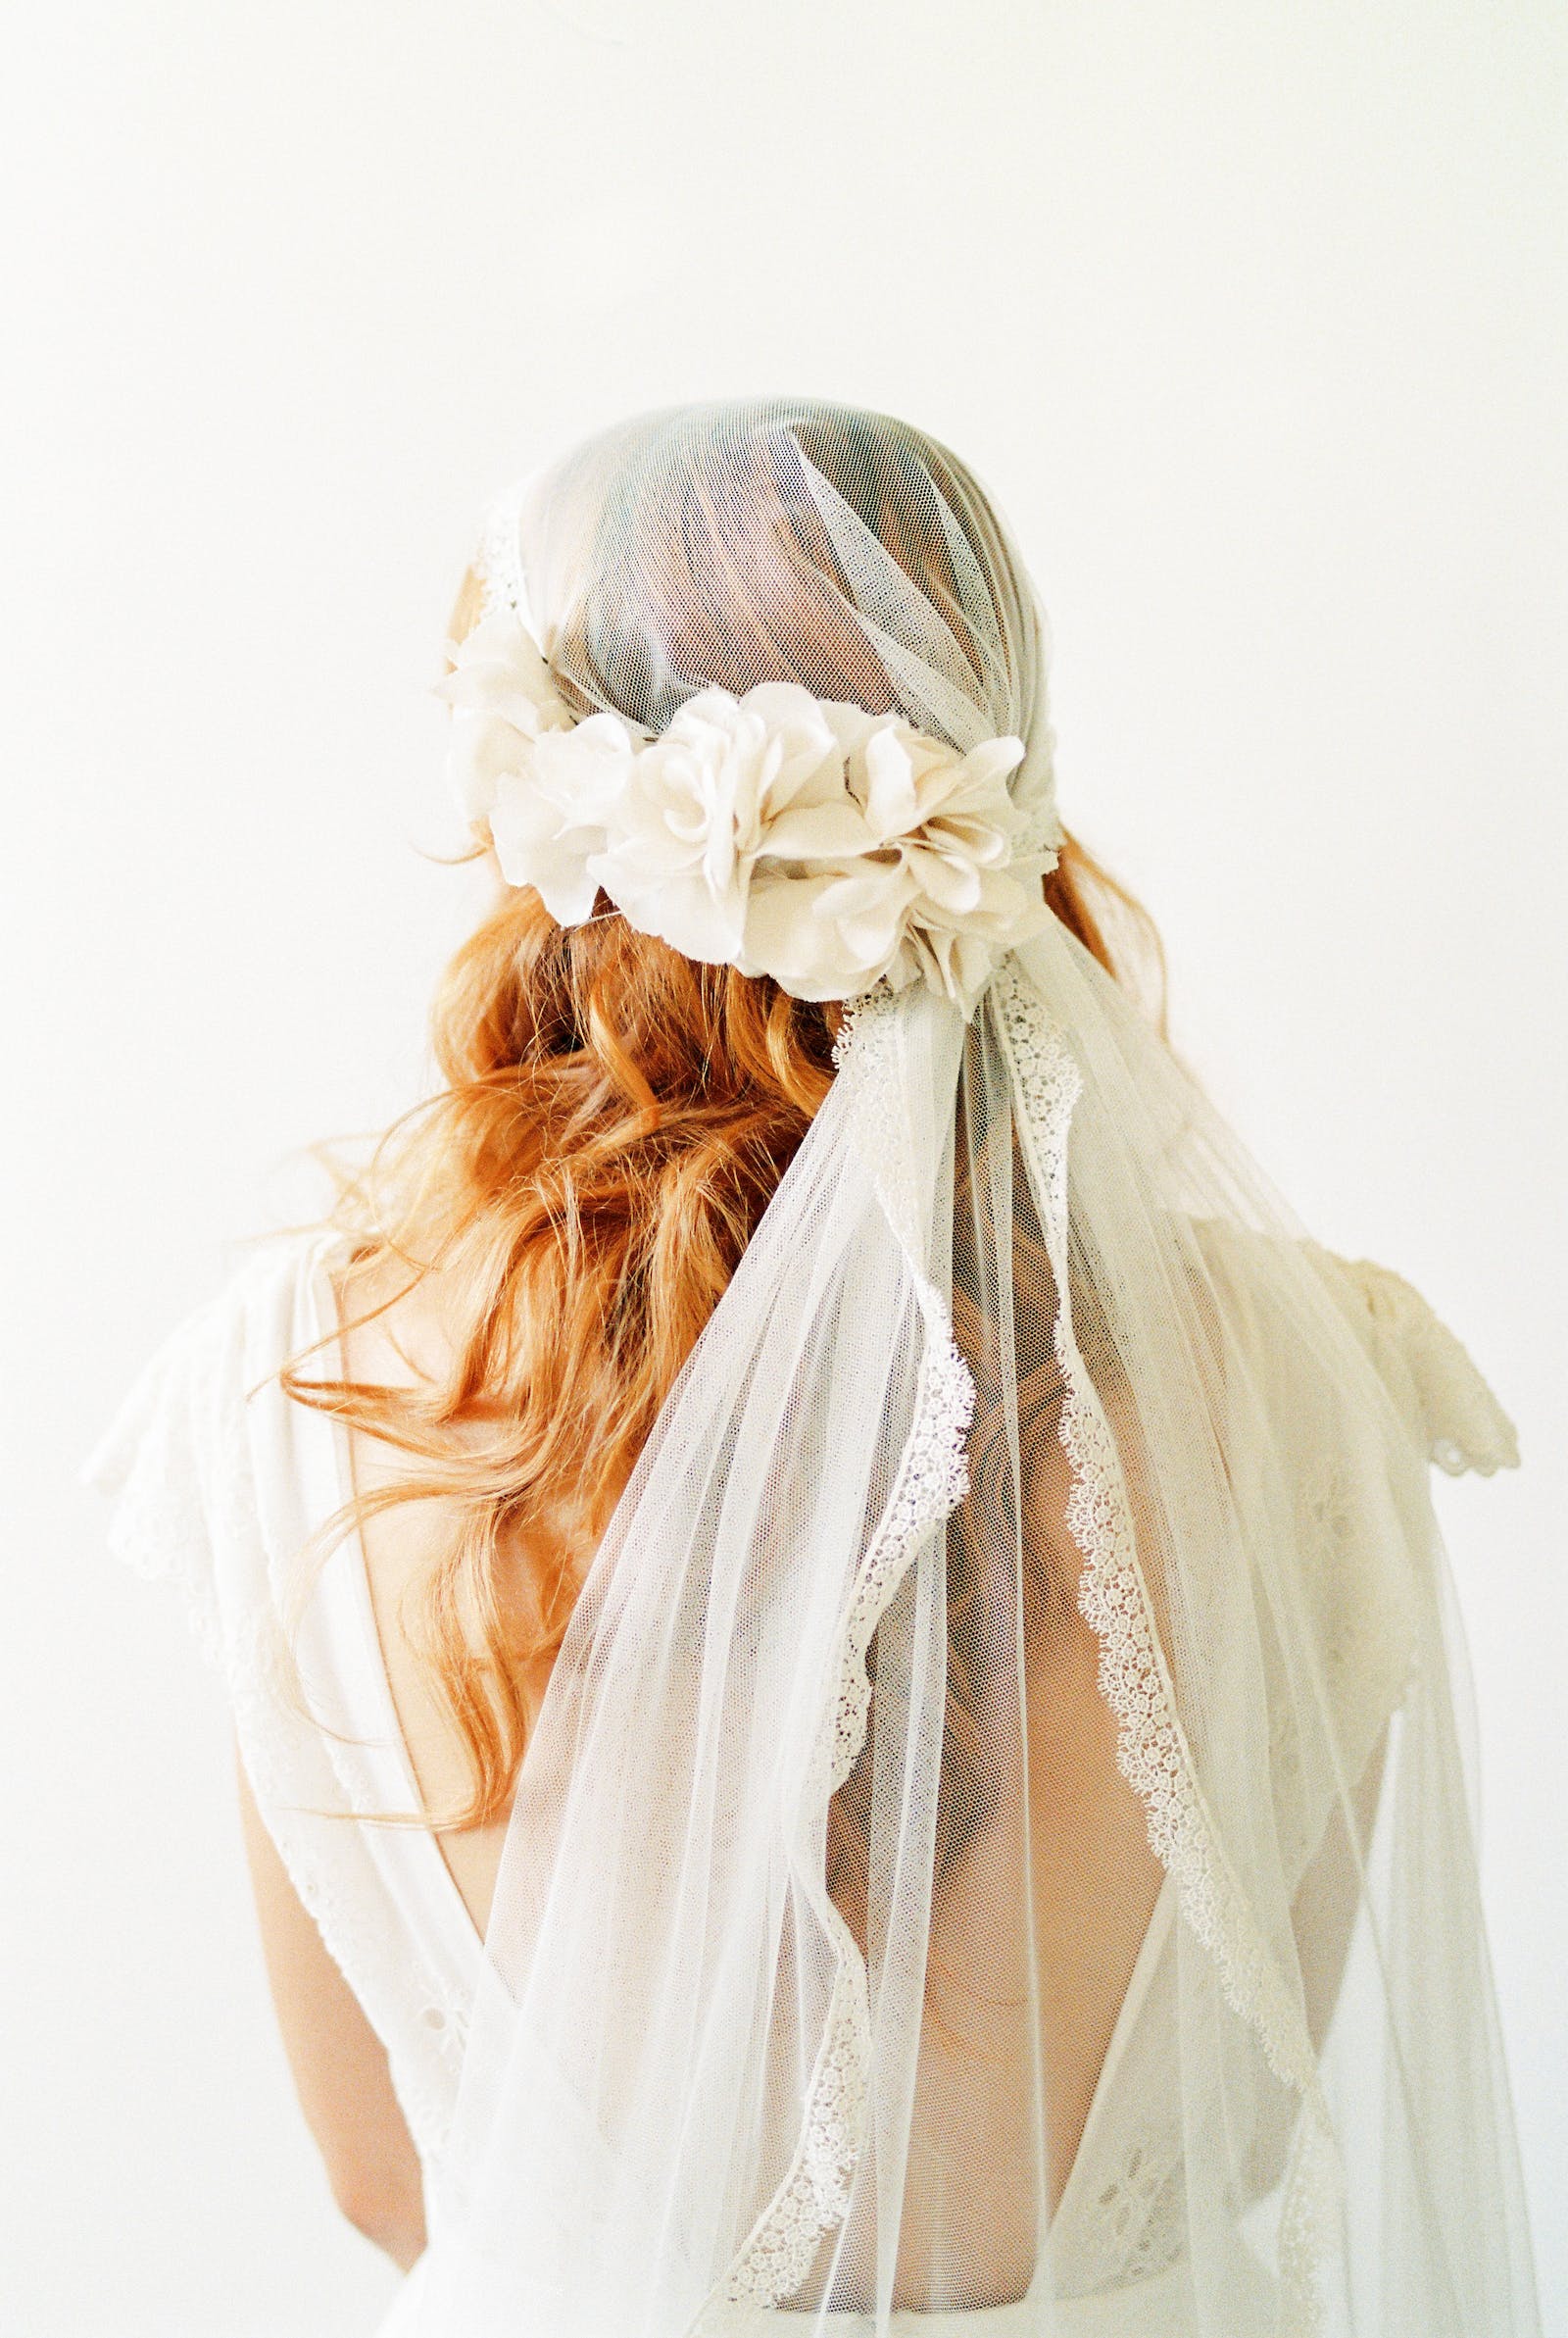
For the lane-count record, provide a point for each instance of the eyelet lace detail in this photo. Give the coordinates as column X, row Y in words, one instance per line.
column 1152, row 1752
column 1365, row 1630
column 932, row 1479
column 1135, row 2226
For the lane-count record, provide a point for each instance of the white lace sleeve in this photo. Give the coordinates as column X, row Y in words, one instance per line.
column 154, row 1462
column 1466, row 1427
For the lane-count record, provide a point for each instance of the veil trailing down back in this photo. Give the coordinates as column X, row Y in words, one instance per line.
column 995, row 1854
column 996, row 1841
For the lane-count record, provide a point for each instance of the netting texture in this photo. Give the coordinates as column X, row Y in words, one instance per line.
column 998, row 1834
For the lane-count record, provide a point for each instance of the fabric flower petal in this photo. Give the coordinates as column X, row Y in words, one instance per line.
column 823, row 844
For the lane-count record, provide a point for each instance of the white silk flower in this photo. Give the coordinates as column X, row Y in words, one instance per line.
column 501, row 700
column 778, row 832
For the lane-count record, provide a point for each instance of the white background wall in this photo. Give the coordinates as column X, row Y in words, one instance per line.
column 1253, row 314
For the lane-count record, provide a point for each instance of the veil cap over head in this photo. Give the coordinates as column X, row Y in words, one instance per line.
column 815, row 782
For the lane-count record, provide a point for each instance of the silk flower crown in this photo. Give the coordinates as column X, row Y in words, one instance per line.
column 777, row 832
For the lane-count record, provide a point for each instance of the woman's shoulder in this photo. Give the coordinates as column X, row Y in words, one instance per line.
column 398, row 1322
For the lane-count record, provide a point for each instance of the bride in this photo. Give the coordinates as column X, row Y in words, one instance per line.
column 839, row 1646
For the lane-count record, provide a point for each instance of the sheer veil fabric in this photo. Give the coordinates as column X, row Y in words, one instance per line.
column 997, row 1839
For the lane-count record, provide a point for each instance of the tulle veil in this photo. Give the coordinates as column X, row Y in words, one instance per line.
column 997, row 1840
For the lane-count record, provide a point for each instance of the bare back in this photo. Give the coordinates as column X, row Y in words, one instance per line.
column 1093, row 1879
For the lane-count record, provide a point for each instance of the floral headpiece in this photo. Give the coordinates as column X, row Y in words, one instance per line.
column 777, row 832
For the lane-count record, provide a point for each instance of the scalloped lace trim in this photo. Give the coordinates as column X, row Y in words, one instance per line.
column 932, row 1479
column 498, row 556
column 1152, row 1751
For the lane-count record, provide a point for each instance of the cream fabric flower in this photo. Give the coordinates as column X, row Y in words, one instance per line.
column 705, row 799
column 501, row 700
column 551, row 820
column 930, row 890
column 778, row 832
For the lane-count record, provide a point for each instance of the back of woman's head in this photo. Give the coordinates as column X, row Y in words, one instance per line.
column 613, row 1116
column 778, row 541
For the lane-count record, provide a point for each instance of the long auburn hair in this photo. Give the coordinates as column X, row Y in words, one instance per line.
column 610, row 1121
